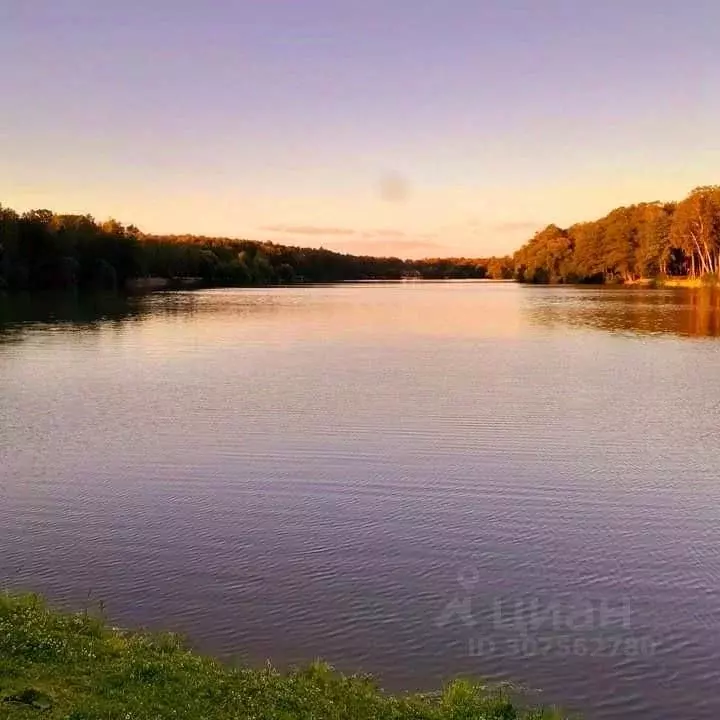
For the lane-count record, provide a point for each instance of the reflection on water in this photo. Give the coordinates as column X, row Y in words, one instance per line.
column 20, row 314
column 366, row 473
column 672, row 311
column 684, row 312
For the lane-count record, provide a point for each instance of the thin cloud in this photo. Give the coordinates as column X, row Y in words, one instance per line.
column 372, row 234
column 394, row 247
column 384, row 233
column 307, row 230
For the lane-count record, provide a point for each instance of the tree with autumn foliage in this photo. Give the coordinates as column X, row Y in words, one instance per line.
column 696, row 230
column 648, row 240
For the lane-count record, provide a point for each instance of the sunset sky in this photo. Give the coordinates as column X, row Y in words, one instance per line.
column 415, row 128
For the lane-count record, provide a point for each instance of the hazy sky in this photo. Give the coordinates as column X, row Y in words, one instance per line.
column 411, row 127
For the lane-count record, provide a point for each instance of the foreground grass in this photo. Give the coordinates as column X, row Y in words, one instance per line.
column 75, row 667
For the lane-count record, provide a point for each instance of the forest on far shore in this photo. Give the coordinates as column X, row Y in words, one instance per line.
column 649, row 240
column 41, row 250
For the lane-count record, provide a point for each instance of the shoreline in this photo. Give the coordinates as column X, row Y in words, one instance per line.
column 69, row 665
column 671, row 282
column 140, row 287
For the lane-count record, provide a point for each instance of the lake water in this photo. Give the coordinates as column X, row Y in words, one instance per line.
column 416, row 480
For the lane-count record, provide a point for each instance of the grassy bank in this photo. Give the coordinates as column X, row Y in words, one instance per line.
column 75, row 667
column 675, row 282
column 689, row 282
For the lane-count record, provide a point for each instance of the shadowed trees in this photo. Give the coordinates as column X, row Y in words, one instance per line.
column 40, row 250
column 43, row 251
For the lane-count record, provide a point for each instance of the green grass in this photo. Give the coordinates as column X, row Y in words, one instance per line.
column 75, row 667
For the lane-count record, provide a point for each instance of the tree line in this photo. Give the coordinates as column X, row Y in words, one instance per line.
column 649, row 240
column 41, row 250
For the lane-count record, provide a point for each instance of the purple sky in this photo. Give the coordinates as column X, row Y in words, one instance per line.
column 406, row 127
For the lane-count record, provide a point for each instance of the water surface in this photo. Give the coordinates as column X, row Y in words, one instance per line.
column 417, row 480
